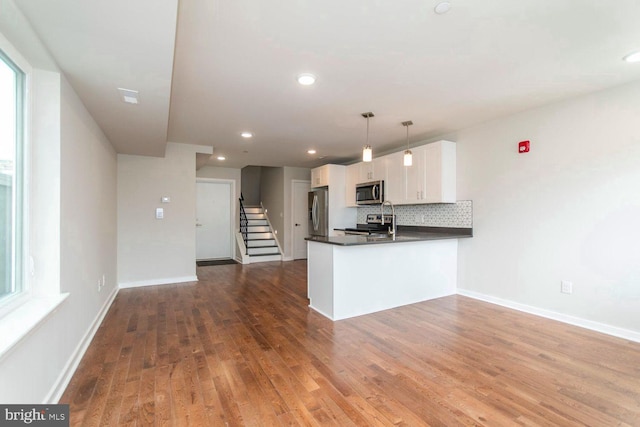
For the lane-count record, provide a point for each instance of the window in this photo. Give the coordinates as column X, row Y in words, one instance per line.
column 11, row 177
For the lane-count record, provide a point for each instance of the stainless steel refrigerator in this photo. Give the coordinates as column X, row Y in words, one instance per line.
column 319, row 212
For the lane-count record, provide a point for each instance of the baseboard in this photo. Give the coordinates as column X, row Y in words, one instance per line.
column 561, row 317
column 65, row 376
column 288, row 258
column 154, row 282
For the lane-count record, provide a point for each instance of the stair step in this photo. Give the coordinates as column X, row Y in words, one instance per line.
column 251, row 216
column 257, row 222
column 259, row 236
column 270, row 250
column 265, row 258
column 258, row 229
column 261, row 243
column 252, row 209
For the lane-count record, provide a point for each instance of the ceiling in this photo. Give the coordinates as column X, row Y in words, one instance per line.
column 207, row 70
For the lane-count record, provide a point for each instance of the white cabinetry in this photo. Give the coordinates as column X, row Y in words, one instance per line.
column 440, row 172
column 352, row 179
column 358, row 173
column 374, row 170
column 414, row 178
column 432, row 177
column 320, row 176
column 333, row 176
column 395, row 183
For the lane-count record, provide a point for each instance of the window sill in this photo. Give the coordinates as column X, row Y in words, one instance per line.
column 19, row 323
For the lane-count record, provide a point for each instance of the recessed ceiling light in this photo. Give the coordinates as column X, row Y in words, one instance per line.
column 633, row 57
column 306, row 79
column 442, row 7
column 246, row 134
column 221, row 158
column 128, row 95
column 311, row 151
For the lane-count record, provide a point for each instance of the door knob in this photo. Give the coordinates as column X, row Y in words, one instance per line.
column 198, row 225
column 297, row 225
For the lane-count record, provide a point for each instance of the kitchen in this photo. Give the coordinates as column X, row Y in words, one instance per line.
column 379, row 264
column 564, row 212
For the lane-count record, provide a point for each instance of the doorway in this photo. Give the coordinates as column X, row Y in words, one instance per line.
column 300, row 223
column 214, row 219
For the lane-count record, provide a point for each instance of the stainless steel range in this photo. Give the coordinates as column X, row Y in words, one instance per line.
column 373, row 225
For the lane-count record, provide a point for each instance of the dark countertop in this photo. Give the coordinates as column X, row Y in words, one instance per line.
column 403, row 234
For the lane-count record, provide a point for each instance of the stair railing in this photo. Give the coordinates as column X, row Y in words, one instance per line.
column 244, row 224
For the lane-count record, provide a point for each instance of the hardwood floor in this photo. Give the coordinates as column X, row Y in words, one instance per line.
column 241, row 347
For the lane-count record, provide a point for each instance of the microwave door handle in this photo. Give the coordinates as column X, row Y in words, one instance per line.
column 374, row 192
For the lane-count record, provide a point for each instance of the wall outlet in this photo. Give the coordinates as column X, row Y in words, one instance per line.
column 566, row 287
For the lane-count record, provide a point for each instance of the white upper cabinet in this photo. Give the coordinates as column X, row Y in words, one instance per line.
column 352, row 179
column 374, row 170
column 395, row 187
column 432, row 177
column 440, row 172
column 320, row 176
column 414, row 178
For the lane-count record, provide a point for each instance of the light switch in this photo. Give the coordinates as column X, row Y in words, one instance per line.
column 159, row 213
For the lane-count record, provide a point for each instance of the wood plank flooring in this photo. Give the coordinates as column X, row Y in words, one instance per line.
column 241, row 347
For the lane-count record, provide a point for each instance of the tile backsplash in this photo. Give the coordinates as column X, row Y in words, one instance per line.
column 457, row 215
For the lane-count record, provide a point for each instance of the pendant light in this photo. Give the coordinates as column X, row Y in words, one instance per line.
column 367, row 153
column 408, row 156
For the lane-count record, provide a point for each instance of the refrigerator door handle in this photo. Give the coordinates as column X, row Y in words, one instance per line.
column 314, row 212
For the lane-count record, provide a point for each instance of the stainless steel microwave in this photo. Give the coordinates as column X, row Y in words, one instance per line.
column 370, row 193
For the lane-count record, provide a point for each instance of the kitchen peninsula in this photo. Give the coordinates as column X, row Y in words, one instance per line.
column 354, row 275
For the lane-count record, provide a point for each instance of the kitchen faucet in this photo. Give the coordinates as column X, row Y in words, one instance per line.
column 392, row 229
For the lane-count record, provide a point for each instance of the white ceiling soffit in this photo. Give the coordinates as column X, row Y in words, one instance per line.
column 236, row 63
column 105, row 45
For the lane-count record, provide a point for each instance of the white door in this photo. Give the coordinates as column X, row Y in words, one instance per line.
column 213, row 222
column 300, row 200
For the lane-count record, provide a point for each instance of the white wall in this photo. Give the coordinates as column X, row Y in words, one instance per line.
column 80, row 178
column 567, row 210
column 153, row 251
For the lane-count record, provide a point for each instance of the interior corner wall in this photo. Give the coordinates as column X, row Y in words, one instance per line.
column 567, row 210
column 272, row 198
column 251, row 185
column 157, row 251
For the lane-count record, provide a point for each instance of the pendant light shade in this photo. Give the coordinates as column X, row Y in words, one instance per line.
column 367, row 152
column 408, row 155
column 408, row 158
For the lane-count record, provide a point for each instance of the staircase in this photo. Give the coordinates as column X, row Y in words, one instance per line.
column 261, row 245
